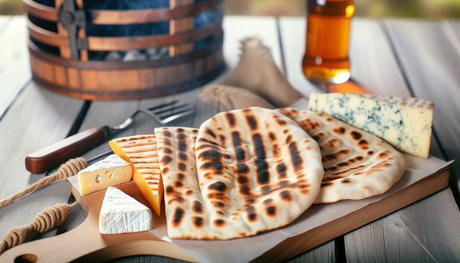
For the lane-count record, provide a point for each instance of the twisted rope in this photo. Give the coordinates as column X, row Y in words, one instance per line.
column 48, row 219
column 70, row 168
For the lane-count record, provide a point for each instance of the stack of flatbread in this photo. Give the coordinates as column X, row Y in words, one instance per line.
column 249, row 171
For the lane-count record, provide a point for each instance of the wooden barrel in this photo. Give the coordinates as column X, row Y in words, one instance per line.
column 67, row 42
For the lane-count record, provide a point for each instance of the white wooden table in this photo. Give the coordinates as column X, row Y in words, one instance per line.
column 391, row 56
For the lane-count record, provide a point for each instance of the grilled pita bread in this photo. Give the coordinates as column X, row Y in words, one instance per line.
column 357, row 164
column 256, row 170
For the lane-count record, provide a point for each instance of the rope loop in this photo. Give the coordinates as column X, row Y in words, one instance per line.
column 48, row 219
column 71, row 168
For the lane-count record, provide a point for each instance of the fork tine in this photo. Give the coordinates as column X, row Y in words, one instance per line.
column 164, row 116
column 177, row 116
column 170, row 114
column 163, row 105
column 171, row 109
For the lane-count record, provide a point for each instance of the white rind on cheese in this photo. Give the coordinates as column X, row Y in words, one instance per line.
column 404, row 123
column 120, row 213
column 109, row 172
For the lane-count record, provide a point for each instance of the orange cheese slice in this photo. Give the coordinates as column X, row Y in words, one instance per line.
column 141, row 151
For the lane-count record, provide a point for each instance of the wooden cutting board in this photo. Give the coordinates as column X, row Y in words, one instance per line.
column 86, row 244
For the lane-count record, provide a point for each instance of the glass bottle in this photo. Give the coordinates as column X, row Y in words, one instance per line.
column 328, row 33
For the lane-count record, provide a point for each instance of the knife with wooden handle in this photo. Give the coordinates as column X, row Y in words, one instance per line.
column 71, row 147
column 75, row 145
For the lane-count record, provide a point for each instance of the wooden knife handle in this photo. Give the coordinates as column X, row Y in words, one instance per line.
column 71, row 147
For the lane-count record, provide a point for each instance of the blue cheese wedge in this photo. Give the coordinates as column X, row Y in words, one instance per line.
column 109, row 172
column 120, row 213
column 404, row 123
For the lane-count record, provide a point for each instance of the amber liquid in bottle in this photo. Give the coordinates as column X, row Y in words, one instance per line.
column 328, row 33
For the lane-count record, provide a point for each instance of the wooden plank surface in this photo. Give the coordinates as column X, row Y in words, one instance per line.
column 238, row 28
column 37, row 119
column 375, row 67
column 427, row 231
column 14, row 63
column 409, row 236
column 4, row 22
column 452, row 30
column 293, row 36
column 373, row 64
column 430, row 62
column 400, row 233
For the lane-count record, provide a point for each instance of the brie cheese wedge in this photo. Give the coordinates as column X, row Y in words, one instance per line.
column 120, row 213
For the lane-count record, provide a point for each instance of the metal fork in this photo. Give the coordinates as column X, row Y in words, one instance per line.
column 75, row 145
column 161, row 116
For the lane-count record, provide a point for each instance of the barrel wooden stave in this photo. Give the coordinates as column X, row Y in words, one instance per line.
column 185, row 69
column 116, row 84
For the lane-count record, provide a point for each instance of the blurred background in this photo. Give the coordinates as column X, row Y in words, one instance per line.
column 430, row 9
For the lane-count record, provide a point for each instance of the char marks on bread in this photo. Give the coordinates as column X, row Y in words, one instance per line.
column 244, row 172
column 357, row 164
